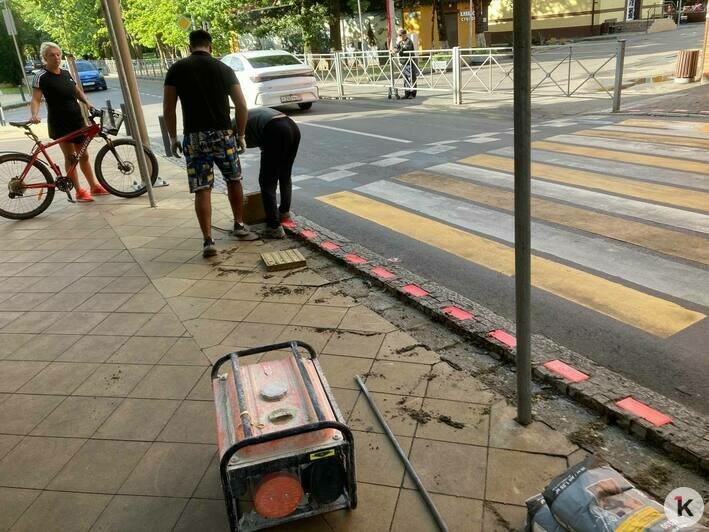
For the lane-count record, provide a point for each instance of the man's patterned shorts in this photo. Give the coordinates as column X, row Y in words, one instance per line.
column 203, row 150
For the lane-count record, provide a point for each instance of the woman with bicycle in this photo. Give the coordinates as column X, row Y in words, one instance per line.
column 64, row 116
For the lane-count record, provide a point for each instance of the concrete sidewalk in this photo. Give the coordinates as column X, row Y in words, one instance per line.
column 110, row 321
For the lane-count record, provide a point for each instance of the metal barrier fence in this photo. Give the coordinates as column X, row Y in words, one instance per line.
column 568, row 70
column 556, row 70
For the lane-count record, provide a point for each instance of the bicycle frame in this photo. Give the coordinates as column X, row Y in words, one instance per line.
column 90, row 132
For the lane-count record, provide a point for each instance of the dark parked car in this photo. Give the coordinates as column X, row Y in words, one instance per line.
column 91, row 76
column 31, row 66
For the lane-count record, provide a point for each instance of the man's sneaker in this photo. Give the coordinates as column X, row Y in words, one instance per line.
column 98, row 190
column 209, row 248
column 83, row 195
column 272, row 232
column 286, row 217
column 241, row 232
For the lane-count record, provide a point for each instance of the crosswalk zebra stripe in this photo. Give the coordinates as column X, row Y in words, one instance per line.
column 617, row 185
column 672, row 177
column 659, row 133
column 677, row 152
column 644, row 311
column 659, row 239
column 682, row 125
column 638, row 158
column 587, row 198
column 624, row 134
column 591, row 252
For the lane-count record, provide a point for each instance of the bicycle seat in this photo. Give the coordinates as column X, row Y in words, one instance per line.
column 21, row 124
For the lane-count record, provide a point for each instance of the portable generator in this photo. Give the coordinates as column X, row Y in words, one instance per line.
column 285, row 451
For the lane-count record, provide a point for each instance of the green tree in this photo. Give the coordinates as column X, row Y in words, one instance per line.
column 28, row 39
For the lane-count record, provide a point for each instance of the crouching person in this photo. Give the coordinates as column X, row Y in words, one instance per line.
column 278, row 138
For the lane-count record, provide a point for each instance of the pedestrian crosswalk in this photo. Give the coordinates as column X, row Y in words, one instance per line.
column 620, row 222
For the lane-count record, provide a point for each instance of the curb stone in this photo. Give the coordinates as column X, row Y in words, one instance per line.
column 685, row 438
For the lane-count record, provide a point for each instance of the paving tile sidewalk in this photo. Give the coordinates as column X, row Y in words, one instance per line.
column 110, row 320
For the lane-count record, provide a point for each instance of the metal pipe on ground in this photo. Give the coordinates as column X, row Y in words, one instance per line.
column 128, row 100
column 522, row 30
column 409, row 468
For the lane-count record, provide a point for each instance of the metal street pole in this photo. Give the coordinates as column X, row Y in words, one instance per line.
column 391, row 24
column 470, row 25
column 12, row 31
column 522, row 30
column 361, row 28
column 128, row 100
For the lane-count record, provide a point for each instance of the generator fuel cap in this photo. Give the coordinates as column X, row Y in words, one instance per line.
column 273, row 391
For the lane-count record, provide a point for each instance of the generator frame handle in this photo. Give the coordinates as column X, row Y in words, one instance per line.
column 262, row 349
column 232, row 504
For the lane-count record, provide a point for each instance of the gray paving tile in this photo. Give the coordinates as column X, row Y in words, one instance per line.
column 143, row 349
column 210, row 487
column 138, row 419
column 35, row 461
column 77, row 322
column 77, row 416
column 19, row 413
column 63, row 301
column 203, row 389
column 7, row 442
column 9, row 343
column 113, row 380
column 59, row 378
column 184, row 352
column 100, row 466
column 163, row 324
column 140, row 514
column 142, row 302
column 46, row 347
column 126, row 285
column 168, row 382
column 14, row 502
column 33, row 322
column 24, row 300
column 123, row 323
column 52, row 510
column 202, row 514
column 169, row 469
column 102, row 303
column 15, row 373
column 194, row 422
column 92, row 349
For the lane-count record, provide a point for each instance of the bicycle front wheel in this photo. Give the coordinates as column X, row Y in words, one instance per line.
column 117, row 168
column 23, row 198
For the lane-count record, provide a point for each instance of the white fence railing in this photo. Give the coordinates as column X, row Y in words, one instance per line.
column 568, row 70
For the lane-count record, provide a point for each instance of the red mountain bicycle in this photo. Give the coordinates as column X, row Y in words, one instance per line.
column 27, row 185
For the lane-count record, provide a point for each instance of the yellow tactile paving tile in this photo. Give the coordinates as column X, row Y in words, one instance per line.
column 646, row 137
column 665, row 241
column 649, row 313
column 702, row 127
column 628, row 157
column 690, row 199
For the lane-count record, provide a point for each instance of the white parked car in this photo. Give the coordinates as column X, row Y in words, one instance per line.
column 271, row 78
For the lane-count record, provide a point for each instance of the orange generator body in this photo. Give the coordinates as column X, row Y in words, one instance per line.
column 285, row 451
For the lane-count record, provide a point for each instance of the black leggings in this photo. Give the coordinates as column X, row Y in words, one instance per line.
column 279, row 147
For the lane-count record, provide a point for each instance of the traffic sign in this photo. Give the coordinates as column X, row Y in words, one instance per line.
column 184, row 22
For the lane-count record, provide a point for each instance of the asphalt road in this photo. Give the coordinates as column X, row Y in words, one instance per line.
column 349, row 144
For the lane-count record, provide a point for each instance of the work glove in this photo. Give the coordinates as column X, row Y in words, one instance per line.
column 241, row 144
column 176, row 147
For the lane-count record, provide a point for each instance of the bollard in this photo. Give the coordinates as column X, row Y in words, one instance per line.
column 618, row 86
column 126, row 122
column 165, row 136
column 457, row 77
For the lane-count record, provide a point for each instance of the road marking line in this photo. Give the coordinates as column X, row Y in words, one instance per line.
column 402, row 141
column 647, row 236
column 658, row 132
column 649, row 313
column 638, row 158
column 644, row 137
column 616, row 168
column 667, row 124
column 599, row 256
column 591, row 199
column 634, row 147
column 627, row 187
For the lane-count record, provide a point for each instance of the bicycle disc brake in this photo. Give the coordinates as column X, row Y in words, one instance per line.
column 64, row 184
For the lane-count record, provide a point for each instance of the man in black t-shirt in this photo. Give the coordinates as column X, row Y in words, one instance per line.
column 204, row 85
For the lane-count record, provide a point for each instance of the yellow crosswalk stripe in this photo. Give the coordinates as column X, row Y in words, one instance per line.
column 645, row 137
column 649, row 313
column 628, row 157
column 702, row 127
column 690, row 199
column 656, row 238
